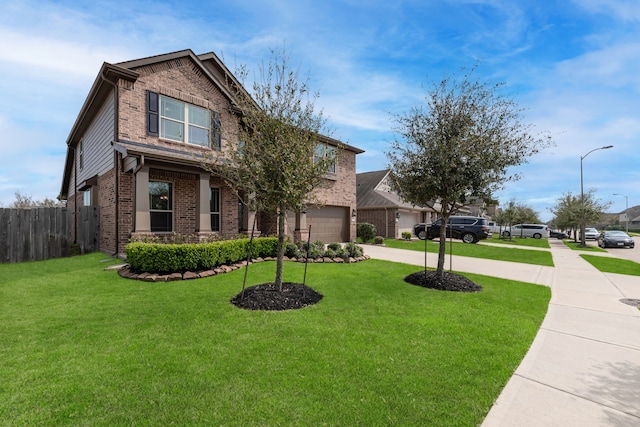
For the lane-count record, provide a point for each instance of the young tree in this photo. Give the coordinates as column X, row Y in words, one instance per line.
column 568, row 210
column 459, row 145
column 281, row 158
column 518, row 213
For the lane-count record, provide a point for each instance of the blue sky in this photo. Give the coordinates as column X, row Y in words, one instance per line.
column 574, row 65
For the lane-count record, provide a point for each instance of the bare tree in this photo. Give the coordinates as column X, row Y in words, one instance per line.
column 281, row 157
column 23, row 201
column 459, row 145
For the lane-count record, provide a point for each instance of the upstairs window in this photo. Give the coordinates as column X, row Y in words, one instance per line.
column 184, row 122
column 326, row 151
column 179, row 121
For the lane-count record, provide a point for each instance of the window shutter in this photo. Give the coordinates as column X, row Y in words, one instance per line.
column 216, row 132
column 153, row 109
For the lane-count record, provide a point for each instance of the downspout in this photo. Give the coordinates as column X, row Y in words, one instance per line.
column 116, row 132
column 140, row 165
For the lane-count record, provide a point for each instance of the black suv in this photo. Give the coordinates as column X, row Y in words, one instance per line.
column 469, row 229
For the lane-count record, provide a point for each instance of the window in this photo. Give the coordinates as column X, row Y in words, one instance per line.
column 326, row 151
column 80, row 154
column 161, row 206
column 184, row 122
column 214, row 202
column 86, row 197
column 179, row 121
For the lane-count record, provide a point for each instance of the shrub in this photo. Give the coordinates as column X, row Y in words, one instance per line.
column 168, row 258
column 365, row 231
column 316, row 251
column 378, row 240
column 319, row 244
column 312, row 250
column 330, row 253
column 334, row 246
column 406, row 235
column 352, row 250
column 291, row 250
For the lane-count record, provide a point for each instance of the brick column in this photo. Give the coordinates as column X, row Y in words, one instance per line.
column 143, row 217
column 301, row 230
column 203, row 217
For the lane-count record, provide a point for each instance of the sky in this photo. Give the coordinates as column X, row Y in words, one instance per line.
column 572, row 65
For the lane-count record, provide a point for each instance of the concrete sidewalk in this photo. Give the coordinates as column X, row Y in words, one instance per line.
column 583, row 368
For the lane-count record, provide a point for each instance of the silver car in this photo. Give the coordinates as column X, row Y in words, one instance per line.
column 591, row 233
column 537, row 231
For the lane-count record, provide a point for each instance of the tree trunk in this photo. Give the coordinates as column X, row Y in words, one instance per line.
column 280, row 258
column 443, row 247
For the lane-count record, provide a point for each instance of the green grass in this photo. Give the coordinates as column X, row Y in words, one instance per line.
column 83, row 346
column 613, row 265
column 527, row 256
column 517, row 241
column 591, row 247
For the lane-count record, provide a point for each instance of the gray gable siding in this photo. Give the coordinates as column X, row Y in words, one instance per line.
column 98, row 152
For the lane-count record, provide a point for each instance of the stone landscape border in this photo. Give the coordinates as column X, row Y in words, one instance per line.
column 126, row 272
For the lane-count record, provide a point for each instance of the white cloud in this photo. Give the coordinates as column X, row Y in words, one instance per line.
column 624, row 10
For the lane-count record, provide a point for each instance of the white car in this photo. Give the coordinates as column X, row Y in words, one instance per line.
column 591, row 233
column 537, row 231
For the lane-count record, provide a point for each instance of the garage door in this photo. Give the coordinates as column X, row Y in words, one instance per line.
column 329, row 223
column 407, row 221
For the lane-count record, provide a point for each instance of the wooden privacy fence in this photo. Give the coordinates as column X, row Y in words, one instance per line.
column 35, row 234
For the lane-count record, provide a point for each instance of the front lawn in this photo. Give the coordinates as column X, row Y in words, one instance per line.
column 590, row 247
column 613, row 265
column 527, row 256
column 517, row 241
column 83, row 346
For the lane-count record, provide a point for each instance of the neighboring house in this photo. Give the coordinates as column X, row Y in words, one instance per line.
column 379, row 205
column 137, row 150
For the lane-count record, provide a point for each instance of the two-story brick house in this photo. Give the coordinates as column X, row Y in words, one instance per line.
column 137, row 149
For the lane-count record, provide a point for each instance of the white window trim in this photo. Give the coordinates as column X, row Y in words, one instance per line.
column 333, row 167
column 185, row 123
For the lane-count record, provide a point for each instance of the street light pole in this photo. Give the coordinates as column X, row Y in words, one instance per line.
column 582, row 239
column 626, row 214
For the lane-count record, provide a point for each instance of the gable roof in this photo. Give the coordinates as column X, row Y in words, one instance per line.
column 369, row 194
column 105, row 83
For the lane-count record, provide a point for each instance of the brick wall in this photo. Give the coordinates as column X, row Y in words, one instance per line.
column 180, row 79
column 385, row 222
column 106, row 201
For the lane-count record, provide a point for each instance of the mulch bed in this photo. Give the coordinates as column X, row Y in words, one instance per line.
column 268, row 297
column 448, row 282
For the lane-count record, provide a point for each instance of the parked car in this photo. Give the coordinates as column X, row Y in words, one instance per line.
column 558, row 234
column 494, row 227
column 469, row 229
column 614, row 239
column 537, row 231
column 591, row 233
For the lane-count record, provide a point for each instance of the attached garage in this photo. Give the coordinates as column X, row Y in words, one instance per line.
column 329, row 223
column 407, row 221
